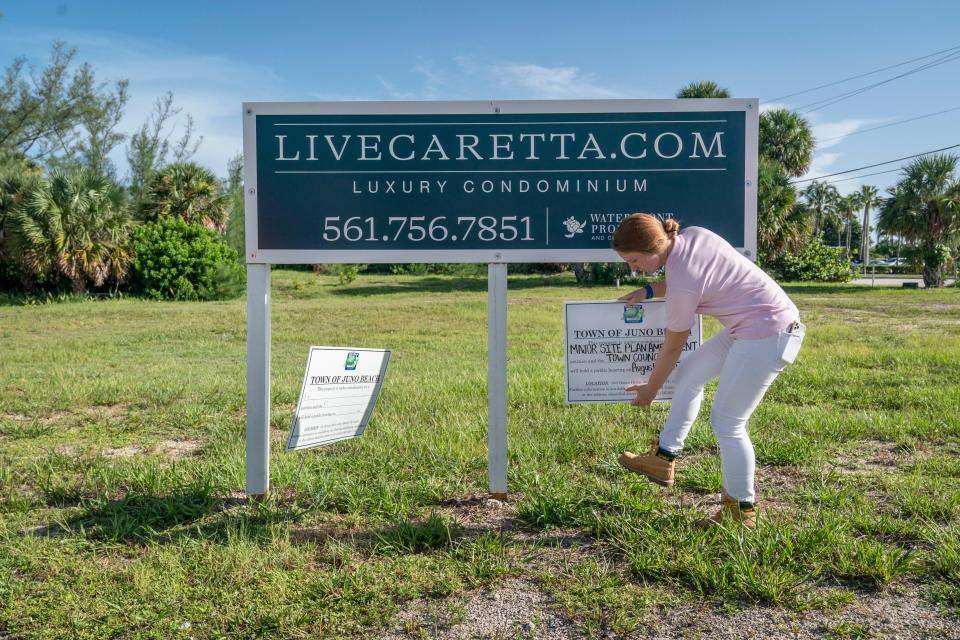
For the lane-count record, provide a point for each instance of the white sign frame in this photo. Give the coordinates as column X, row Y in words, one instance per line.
column 255, row 255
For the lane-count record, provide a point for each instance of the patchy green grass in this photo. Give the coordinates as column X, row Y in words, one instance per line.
column 122, row 468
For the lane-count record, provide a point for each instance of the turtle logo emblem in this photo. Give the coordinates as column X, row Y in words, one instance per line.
column 573, row 227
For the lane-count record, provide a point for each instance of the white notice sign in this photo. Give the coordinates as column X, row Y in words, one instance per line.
column 610, row 345
column 339, row 391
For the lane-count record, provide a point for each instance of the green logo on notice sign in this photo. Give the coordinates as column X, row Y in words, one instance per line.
column 352, row 358
column 633, row 313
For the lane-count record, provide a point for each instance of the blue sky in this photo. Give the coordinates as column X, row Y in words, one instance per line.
column 213, row 55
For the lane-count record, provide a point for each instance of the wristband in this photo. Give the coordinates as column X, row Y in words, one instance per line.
column 649, row 291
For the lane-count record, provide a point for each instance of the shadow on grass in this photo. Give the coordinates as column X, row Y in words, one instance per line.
column 147, row 518
column 198, row 513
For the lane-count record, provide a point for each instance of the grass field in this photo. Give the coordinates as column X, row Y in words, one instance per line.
column 122, row 469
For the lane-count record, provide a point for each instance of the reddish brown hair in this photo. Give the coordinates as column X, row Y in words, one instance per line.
column 644, row 233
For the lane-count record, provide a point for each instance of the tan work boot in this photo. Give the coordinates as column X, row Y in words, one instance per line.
column 654, row 465
column 730, row 511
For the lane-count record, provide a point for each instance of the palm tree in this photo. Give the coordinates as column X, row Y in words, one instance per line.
column 822, row 199
column 889, row 221
column 188, row 191
column 782, row 225
column 703, row 89
column 74, row 225
column 848, row 207
column 868, row 198
column 786, row 137
column 924, row 207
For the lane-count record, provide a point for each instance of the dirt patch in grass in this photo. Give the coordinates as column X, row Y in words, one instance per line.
column 481, row 512
column 936, row 306
column 903, row 615
column 906, row 327
column 128, row 451
column 322, row 532
column 867, row 457
column 773, row 485
column 171, row 449
column 518, row 608
column 53, row 417
column 176, row 449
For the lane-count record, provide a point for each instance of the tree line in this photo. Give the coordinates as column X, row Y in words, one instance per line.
column 69, row 222
column 922, row 209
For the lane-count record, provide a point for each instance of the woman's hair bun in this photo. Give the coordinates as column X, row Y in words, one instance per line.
column 670, row 227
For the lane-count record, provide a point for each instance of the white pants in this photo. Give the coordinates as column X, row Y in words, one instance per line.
column 746, row 368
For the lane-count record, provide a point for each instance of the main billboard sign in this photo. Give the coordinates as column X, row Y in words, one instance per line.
column 512, row 181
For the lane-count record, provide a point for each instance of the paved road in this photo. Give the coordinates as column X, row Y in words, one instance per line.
column 893, row 281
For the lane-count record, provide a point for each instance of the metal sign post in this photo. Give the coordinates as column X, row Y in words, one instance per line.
column 258, row 379
column 497, row 379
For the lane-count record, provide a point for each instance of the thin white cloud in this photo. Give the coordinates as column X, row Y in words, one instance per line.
column 822, row 163
column 435, row 79
column 211, row 88
column 825, row 163
column 551, row 82
column 829, row 134
column 471, row 78
column 772, row 106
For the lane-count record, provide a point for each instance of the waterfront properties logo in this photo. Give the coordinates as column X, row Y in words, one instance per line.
column 573, row 226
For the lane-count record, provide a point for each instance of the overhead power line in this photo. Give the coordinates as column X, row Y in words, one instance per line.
column 866, row 175
column 826, row 102
column 870, row 166
column 864, row 75
column 890, row 124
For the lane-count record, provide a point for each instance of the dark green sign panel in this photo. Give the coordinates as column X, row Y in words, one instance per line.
column 488, row 182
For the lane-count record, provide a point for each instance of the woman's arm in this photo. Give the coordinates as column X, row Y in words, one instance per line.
column 662, row 368
column 659, row 291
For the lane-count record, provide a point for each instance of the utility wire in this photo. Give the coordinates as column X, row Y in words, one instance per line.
column 840, row 98
column 891, row 124
column 866, row 175
column 863, row 75
column 870, row 166
column 826, row 102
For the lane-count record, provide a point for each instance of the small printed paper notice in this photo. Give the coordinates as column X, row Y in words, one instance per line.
column 610, row 345
column 339, row 391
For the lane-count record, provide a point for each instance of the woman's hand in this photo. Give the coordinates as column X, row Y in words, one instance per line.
column 645, row 394
column 634, row 296
column 657, row 290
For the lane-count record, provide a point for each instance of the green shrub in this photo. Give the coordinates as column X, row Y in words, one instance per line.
column 176, row 260
column 457, row 269
column 347, row 273
column 815, row 262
